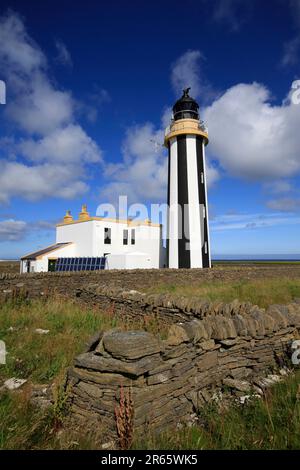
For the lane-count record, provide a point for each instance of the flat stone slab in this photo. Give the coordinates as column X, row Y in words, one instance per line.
column 131, row 344
column 13, row 383
column 40, row 331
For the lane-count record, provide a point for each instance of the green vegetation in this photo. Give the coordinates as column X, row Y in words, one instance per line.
column 262, row 292
column 269, row 423
column 43, row 359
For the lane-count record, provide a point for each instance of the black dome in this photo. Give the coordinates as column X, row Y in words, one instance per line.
column 186, row 107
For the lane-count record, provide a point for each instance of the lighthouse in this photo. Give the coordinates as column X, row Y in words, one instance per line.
column 188, row 232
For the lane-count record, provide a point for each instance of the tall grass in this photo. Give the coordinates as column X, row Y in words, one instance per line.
column 43, row 359
column 272, row 422
column 262, row 292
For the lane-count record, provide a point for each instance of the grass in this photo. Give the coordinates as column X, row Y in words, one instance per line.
column 262, row 292
column 269, row 423
column 43, row 359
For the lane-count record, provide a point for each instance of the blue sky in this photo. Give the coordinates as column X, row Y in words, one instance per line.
column 89, row 91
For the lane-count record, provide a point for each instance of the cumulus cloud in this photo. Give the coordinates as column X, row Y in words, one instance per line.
column 38, row 108
column 143, row 173
column 186, row 72
column 66, row 145
column 18, row 48
column 52, row 155
column 12, row 230
column 252, row 138
column 40, row 181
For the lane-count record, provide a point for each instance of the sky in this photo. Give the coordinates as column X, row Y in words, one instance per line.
column 89, row 91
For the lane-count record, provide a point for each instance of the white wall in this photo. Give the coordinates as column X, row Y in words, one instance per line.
column 80, row 234
column 128, row 261
column 41, row 264
column 116, row 245
column 88, row 240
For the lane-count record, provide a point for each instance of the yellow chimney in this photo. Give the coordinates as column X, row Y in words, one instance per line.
column 84, row 215
column 68, row 217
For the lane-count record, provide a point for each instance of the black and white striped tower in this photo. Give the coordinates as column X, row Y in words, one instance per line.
column 188, row 233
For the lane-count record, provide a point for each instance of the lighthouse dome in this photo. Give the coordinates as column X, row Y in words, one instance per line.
column 186, row 107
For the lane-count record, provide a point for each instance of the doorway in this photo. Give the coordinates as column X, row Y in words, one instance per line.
column 51, row 265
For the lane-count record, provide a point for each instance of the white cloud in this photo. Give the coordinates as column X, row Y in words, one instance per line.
column 38, row 108
column 252, row 221
column 285, row 204
column 250, row 137
column 65, row 145
column 55, row 149
column 143, row 173
column 186, row 72
column 39, row 181
column 278, row 187
column 12, row 230
column 17, row 48
column 63, row 55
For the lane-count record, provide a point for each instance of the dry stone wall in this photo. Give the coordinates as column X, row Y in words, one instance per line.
column 67, row 283
column 212, row 346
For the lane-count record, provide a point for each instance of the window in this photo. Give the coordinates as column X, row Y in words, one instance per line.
column 133, row 237
column 125, row 237
column 107, row 236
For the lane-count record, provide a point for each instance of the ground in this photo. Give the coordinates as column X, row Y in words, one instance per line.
column 42, row 358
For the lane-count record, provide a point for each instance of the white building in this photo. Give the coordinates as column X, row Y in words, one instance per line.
column 91, row 243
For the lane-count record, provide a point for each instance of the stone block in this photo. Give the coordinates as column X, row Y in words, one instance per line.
column 109, row 364
column 131, row 345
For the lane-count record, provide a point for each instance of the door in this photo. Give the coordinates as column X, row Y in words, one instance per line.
column 51, row 264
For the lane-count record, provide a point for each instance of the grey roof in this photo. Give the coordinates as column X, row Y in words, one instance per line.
column 43, row 251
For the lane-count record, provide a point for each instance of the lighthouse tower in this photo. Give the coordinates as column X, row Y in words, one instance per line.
column 188, row 233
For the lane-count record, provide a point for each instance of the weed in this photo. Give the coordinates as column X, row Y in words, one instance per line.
column 124, row 414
